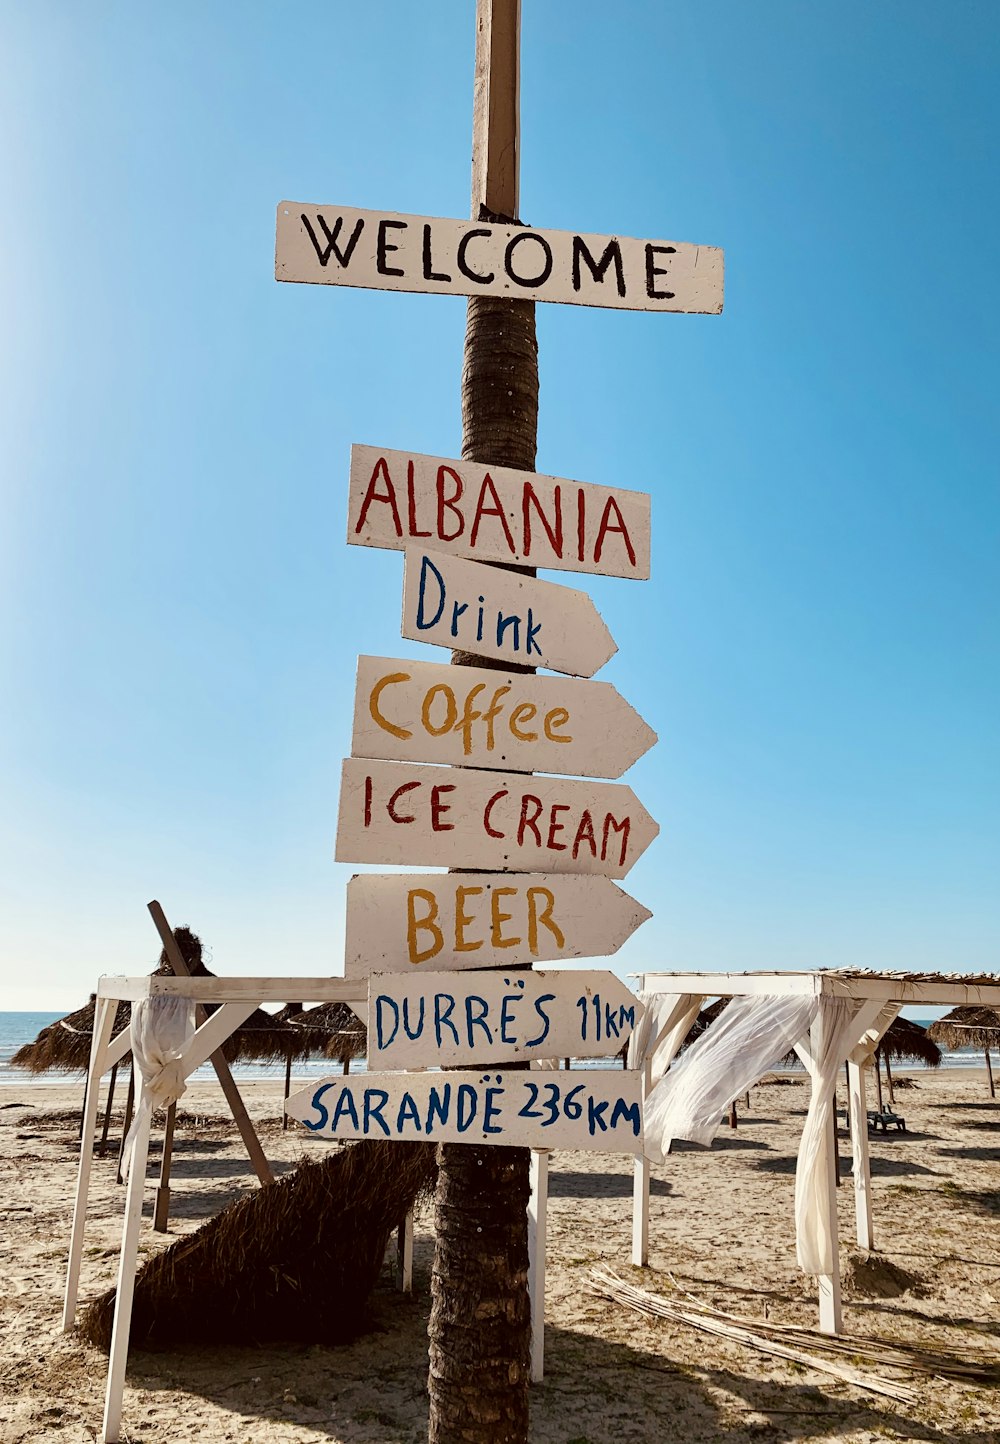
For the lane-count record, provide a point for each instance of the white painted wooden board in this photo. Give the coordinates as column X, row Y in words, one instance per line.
column 596, row 1109
column 496, row 514
column 399, row 922
column 469, row 606
column 442, row 1020
column 426, row 712
column 403, row 814
column 385, row 251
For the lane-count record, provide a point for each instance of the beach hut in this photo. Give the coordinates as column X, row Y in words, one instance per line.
column 971, row 1027
column 906, row 1042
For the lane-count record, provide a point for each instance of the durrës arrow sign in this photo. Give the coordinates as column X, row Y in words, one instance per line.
column 440, row 1020
column 397, row 922
column 595, row 1110
column 426, row 712
column 469, row 606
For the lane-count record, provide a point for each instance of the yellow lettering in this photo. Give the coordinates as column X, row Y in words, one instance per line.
column 373, row 702
column 450, row 714
column 463, row 921
column 524, row 711
column 499, row 917
column 558, row 717
column 543, row 917
column 427, row 924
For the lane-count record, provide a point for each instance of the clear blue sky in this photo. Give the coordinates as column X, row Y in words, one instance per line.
column 818, row 648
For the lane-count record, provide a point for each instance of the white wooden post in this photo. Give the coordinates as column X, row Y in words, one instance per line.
column 642, row 1172
column 404, row 1255
column 859, row 1147
column 126, row 1275
column 830, row 1310
column 104, row 1017
column 538, row 1206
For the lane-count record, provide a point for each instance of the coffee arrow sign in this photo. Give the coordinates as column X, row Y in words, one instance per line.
column 341, row 246
column 495, row 514
column 472, row 607
column 594, row 1110
column 440, row 1020
column 428, row 712
column 400, row 813
column 398, row 922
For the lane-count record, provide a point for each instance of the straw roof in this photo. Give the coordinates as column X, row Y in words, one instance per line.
column 967, row 1028
column 64, row 1046
column 905, row 1040
column 333, row 1029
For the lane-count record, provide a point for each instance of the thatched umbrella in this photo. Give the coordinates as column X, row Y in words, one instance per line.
column 333, row 1029
column 970, row 1027
column 903, row 1039
column 64, row 1046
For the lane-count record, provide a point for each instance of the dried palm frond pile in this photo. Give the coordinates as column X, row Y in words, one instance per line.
column 295, row 1261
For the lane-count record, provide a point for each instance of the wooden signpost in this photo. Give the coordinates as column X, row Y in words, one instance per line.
column 496, row 514
column 383, row 251
column 425, row 712
column 599, row 1111
column 442, row 1020
column 402, row 813
column 493, row 613
column 402, row 921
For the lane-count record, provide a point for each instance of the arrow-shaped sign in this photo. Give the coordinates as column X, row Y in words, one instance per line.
column 399, row 813
column 472, row 607
column 437, row 1020
column 426, row 712
column 599, row 1110
column 400, row 921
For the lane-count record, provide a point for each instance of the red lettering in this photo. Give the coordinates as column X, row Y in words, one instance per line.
column 391, row 805
column 388, row 497
column 529, row 822
column 581, row 523
column 437, row 807
column 447, row 503
column 488, row 811
column 411, row 502
column 368, row 802
column 585, row 833
column 606, row 527
column 495, row 510
column 555, row 827
column 555, row 535
column 611, row 824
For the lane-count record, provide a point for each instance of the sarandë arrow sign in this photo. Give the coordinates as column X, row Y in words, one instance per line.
column 477, row 608
column 341, row 246
column 401, row 921
column 428, row 712
column 400, row 813
column 437, row 1020
column 597, row 1110
column 495, row 514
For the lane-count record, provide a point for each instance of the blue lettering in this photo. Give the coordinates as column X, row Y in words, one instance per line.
column 407, row 1113
column 381, row 1040
column 443, row 1019
column 479, row 1021
column 503, row 623
column 491, row 1111
column 439, row 1105
column 595, row 1115
column 533, row 631
column 413, row 1034
column 373, row 1110
column 315, row 1101
column 507, row 1017
column 464, row 1119
column 610, row 1022
column 426, row 565
column 345, row 1108
column 540, row 1010
column 457, row 608
column 628, row 1111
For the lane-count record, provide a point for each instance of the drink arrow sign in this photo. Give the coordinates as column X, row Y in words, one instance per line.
column 437, row 1020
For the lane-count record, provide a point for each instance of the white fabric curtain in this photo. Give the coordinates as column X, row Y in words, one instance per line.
column 674, row 1012
column 836, row 1037
column 748, row 1038
column 160, row 1029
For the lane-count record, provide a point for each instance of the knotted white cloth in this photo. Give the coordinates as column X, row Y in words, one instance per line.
column 160, row 1030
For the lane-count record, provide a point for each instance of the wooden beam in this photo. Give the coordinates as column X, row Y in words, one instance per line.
column 161, row 1207
column 234, row 990
column 104, row 1017
column 858, row 1113
column 496, row 160
column 110, row 1432
column 538, row 1208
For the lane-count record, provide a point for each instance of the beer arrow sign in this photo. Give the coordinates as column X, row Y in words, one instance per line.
column 428, row 712
column 398, row 922
column 496, row 514
column 437, row 1020
column 400, row 813
column 471, row 607
column 595, row 1110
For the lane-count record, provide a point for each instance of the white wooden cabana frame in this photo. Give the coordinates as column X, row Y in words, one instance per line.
column 877, row 999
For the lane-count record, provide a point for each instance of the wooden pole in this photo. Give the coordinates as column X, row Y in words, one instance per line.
column 878, row 1083
column 288, row 1089
column 127, row 1120
column 103, row 1145
column 104, row 1017
column 989, row 1073
column 480, row 1324
column 858, row 1114
column 888, row 1079
column 218, row 1060
column 161, row 1207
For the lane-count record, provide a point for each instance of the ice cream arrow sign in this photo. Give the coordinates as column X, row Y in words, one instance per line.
column 496, row 514
column 400, row 921
column 477, row 608
column 440, row 1020
column 400, row 813
column 428, row 712
column 341, row 246
column 596, row 1110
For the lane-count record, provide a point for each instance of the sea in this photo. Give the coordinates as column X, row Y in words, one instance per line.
column 19, row 1028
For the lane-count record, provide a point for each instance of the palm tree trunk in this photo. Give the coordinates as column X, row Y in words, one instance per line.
column 480, row 1324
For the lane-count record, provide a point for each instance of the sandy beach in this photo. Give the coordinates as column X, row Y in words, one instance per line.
column 721, row 1230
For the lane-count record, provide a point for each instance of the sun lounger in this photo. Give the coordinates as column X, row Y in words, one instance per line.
column 885, row 1120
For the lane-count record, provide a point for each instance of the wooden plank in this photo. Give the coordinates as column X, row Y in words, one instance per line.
column 122, row 1324
column 442, row 1020
column 496, row 107
column 400, row 921
column 233, row 990
column 492, row 613
column 336, row 245
column 401, row 813
column 858, row 1112
column 104, row 1019
column 425, row 712
column 593, row 1109
column 161, row 1204
column 496, row 514
column 538, row 1208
